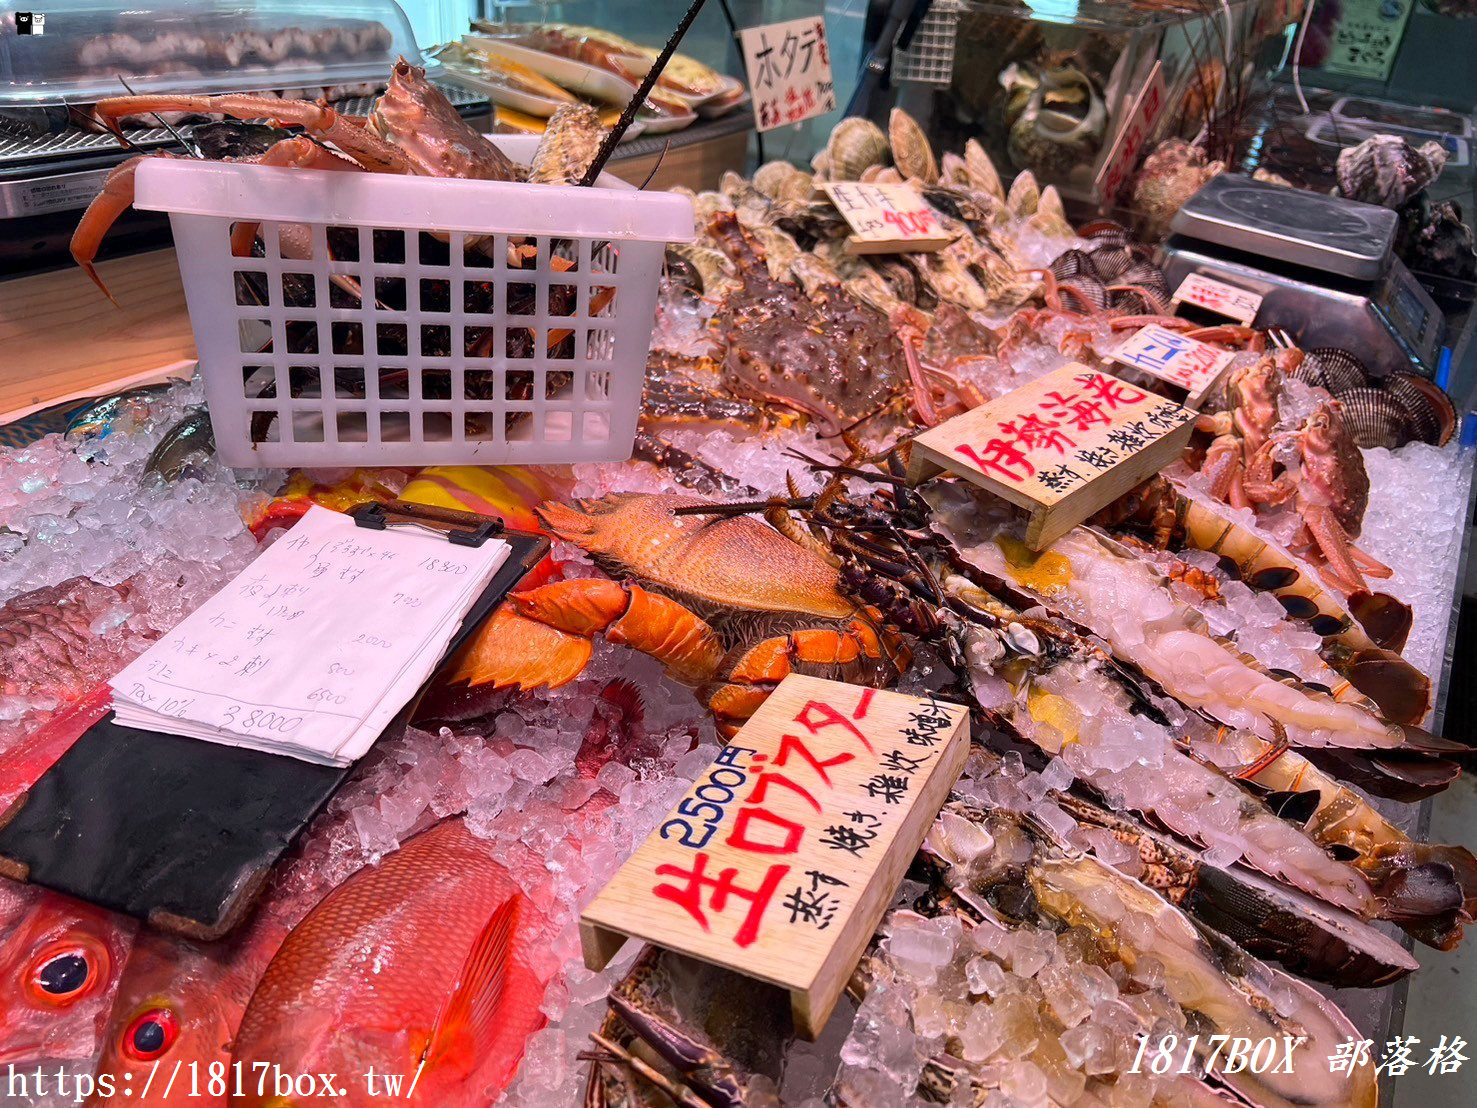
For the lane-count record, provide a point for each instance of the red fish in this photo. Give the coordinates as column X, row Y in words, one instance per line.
column 419, row 968
column 24, row 761
column 59, row 968
column 179, row 1003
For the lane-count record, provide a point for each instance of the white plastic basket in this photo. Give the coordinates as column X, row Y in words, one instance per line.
column 458, row 357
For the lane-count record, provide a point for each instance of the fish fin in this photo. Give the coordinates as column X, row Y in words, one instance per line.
column 473, row 1003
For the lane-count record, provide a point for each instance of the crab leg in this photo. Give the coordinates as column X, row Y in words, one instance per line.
column 115, row 198
column 298, row 152
column 354, row 139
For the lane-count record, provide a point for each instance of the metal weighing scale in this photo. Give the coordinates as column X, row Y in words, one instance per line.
column 1324, row 267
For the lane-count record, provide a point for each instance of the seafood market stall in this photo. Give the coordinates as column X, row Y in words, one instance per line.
column 928, row 618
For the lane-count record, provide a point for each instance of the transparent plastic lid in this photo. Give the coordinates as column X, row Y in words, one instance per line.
column 80, row 51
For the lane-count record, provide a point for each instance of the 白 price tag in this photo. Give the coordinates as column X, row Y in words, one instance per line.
column 1219, row 297
column 886, row 218
column 789, row 68
column 1190, row 364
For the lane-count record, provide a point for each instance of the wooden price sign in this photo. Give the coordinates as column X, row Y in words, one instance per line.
column 1183, row 362
column 781, row 860
column 1062, row 446
column 789, row 68
column 887, row 219
column 1219, row 297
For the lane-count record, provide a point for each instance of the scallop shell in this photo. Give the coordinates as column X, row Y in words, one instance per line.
column 911, row 151
column 1375, row 418
column 1432, row 414
column 855, row 144
column 770, row 178
column 1340, row 369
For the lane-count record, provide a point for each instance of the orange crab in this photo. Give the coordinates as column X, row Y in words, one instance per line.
column 728, row 605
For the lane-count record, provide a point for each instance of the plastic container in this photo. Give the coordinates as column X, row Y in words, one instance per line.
column 89, row 49
column 458, row 357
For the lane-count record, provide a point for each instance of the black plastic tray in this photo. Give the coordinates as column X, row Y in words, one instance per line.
column 179, row 832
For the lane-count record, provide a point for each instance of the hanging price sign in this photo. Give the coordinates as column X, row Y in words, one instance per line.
column 887, row 219
column 1124, row 156
column 789, row 67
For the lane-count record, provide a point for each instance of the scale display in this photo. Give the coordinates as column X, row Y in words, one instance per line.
column 1303, row 228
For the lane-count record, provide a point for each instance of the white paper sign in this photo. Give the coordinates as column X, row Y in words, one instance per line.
column 789, row 67
column 315, row 646
column 1124, row 156
column 887, row 217
column 1188, row 363
column 1219, row 297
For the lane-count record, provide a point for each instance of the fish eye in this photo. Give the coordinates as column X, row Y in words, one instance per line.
column 64, row 973
column 150, row 1034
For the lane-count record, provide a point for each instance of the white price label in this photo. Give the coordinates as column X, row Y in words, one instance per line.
column 789, row 67
column 1124, row 156
column 1188, row 363
column 1219, row 297
column 886, row 217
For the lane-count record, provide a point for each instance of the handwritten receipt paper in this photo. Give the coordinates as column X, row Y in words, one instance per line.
column 316, row 646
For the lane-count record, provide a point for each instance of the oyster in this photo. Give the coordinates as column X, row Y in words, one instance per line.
column 1387, row 170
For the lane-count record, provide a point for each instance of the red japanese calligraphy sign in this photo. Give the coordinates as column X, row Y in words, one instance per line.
column 789, row 67
column 1123, row 156
column 887, row 218
column 1219, row 297
column 1061, row 446
column 781, row 859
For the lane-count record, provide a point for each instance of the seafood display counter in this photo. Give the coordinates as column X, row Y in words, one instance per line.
column 1204, row 710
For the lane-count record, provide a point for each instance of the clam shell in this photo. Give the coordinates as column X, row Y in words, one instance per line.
column 1111, row 261
column 911, row 151
column 1069, row 263
column 1341, row 370
column 1375, row 418
column 953, row 170
column 1085, row 294
column 1432, row 414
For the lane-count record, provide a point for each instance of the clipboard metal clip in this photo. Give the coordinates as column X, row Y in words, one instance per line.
column 461, row 528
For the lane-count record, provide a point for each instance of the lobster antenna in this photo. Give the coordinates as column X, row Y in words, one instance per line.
column 628, row 114
column 659, row 159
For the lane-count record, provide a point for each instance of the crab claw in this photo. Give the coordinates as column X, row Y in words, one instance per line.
column 115, row 198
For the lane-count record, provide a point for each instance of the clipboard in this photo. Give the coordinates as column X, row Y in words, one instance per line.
column 183, row 833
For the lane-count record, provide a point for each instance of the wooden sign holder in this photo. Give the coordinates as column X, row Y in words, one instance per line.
column 812, row 964
column 1054, row 513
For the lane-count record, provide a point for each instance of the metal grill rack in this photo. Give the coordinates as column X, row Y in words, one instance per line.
column 78, row 141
